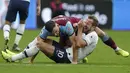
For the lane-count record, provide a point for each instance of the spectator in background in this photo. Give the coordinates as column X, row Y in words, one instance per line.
column 56, row 7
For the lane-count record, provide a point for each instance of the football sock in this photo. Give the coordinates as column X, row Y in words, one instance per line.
column 6, row 31
column 29, row 51
column 19, row 33
column 18, row 56
column 109, row 41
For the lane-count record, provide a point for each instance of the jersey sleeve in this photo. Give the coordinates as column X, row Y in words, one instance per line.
column 67, row 29
column 44, row 33
column 90, row 38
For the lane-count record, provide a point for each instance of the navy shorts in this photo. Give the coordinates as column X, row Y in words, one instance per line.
column 60, row 54
column 16, row 6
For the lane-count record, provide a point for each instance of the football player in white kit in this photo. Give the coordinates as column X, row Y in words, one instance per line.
column 85, row 44
column 15, row 6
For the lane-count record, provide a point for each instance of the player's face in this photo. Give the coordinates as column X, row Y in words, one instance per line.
column 88, row 25
column 56, row 30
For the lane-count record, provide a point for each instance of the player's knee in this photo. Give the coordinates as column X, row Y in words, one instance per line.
column 38, row 44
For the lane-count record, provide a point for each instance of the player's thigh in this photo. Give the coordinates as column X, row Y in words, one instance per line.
column 60, row 54
column 45, row 46
column 11, row 12
column 23, row 10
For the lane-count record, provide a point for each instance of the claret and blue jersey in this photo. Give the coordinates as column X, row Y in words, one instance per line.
column 66, row 26
column 66, row 30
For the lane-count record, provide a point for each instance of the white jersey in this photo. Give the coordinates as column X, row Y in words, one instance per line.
column 27, row 0
column 91, row 39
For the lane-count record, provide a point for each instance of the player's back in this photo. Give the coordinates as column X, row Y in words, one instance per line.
column 62, row 20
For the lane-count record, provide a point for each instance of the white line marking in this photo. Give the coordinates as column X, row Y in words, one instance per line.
column 64, row 65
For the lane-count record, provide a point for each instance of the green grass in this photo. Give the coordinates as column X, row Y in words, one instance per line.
column 102, row 60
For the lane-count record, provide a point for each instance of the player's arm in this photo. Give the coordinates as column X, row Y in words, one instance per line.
column 71, row 34
column 80, row 41
column 38, row 7
column 32, row 58
column 75, row 50
column 84, row 40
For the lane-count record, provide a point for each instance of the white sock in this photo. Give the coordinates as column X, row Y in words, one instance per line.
column 19, row 33
column 6, row 31
column 18, row 56
column 117, row 49
column 29, row 51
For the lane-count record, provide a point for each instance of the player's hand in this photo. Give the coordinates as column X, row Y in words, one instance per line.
column 74, row 63
column 81, row 24
column 38, row 10
column 30, row 62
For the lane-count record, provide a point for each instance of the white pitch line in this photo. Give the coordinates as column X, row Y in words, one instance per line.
column 65, row 65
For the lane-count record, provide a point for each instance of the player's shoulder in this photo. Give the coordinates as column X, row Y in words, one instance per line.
column 67, row 29
column 92, row 35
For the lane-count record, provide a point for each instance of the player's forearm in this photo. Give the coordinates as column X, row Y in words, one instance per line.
column 80, row 29
column 80, row 42
column 75, row 55
column 33, row 57
column 75, row 52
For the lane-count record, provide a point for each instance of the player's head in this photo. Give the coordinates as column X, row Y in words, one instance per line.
column 91, row 23
column 52, row 27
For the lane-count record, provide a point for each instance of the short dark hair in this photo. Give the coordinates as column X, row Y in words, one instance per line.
column 49, row 26
column 95, row 23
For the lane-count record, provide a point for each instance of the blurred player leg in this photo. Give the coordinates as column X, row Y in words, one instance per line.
column 19, row 34
column 23, row 12
column 6, row 31
column 29, row 51
column 110, row 42
column 10, row 17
